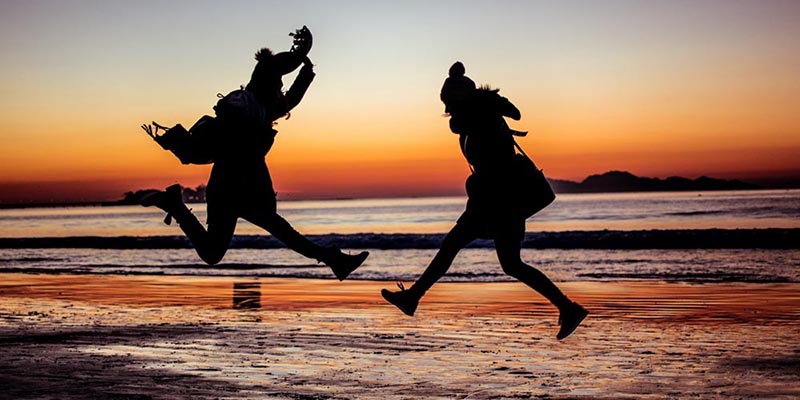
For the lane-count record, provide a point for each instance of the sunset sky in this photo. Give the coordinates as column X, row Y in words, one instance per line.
column 656, row 88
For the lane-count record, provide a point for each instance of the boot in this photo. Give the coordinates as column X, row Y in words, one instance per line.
column 571, row 316
column 405, row 300
column 170, row 200
column 342, row 264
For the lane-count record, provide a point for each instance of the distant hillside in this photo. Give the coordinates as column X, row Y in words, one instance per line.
column 622, row 181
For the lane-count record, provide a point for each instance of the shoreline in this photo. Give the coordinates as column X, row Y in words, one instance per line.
column 761, row 238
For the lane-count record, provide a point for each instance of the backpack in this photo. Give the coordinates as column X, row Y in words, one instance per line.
column 238, row 112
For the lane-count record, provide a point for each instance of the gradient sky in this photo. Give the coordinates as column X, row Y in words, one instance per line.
column 655, row 88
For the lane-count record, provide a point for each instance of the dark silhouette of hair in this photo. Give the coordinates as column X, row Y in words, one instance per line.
column 457, row 69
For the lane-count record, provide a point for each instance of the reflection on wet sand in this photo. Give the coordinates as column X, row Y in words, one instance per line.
column 246, row 295
column 625, row 300
column 73, row 337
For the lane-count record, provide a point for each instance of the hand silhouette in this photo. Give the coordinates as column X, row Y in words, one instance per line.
column 152, row 130
column 302, row 40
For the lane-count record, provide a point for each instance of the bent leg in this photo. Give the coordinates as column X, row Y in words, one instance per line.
column 456, row 239
column 210, row 244
column 508, row 253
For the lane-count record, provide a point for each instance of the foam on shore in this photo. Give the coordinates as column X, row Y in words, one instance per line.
column 605, row 239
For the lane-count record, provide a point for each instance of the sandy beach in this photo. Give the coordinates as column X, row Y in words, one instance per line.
column 68, row 336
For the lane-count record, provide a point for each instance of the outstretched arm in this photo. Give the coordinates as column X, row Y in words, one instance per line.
column 300, row 85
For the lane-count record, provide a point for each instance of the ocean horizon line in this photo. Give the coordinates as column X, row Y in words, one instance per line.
column 612, row 181
column 117, row 203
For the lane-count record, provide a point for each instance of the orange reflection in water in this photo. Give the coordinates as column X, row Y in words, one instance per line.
column 626, row 300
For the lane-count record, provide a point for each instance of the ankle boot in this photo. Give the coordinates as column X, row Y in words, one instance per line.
column 406, row 300
column 170, row 200
column 569, row 318
column 342, row 264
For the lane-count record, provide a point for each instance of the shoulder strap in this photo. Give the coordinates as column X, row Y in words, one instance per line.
column 464, row 151
column 519, row 148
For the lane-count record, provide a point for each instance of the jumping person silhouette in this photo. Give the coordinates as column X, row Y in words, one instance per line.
column 240, row 185
column 477, row 115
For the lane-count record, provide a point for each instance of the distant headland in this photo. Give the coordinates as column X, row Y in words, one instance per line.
column 623, row 181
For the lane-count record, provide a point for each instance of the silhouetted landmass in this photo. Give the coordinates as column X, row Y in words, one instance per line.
column 196, row 195
column 622, row 181
column 772, row 238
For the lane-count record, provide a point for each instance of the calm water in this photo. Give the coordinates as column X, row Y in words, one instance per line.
column 621, row 211
column 618, row 211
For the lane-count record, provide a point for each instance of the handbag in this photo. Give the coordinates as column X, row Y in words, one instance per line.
column 532, row 190
column 195, row 146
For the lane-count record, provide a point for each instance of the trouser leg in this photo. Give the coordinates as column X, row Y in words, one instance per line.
column 453, row 242
column 508, row 252
column 283, row 231
column 212, row 244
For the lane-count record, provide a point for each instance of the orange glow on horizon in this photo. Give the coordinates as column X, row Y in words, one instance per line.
column 658, row 90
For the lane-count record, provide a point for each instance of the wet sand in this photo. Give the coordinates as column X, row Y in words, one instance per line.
column 142, row 337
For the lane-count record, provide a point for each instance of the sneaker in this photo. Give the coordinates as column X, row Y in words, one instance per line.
column 570, row 318
column 404, row 300
column 343, row 264
column 169, row 200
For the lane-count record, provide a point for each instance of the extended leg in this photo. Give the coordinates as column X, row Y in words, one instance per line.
column 571, row 313
column 283, row 231
column 407, row 300
column 453, row 242
column 341, row 264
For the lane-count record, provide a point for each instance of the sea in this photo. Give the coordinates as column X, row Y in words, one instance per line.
column 348, row 221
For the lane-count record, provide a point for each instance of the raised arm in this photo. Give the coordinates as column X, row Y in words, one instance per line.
column 300, row 85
